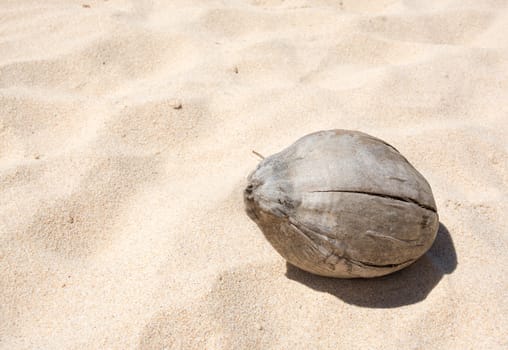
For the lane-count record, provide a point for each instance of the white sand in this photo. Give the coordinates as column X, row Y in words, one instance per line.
column 121, row 217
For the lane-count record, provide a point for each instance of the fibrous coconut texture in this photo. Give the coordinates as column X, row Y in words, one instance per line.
column 343, row 204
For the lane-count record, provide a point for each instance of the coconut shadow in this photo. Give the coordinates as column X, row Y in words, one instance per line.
column 404, row 287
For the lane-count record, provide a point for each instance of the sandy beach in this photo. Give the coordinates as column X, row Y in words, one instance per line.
column 126, row 137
